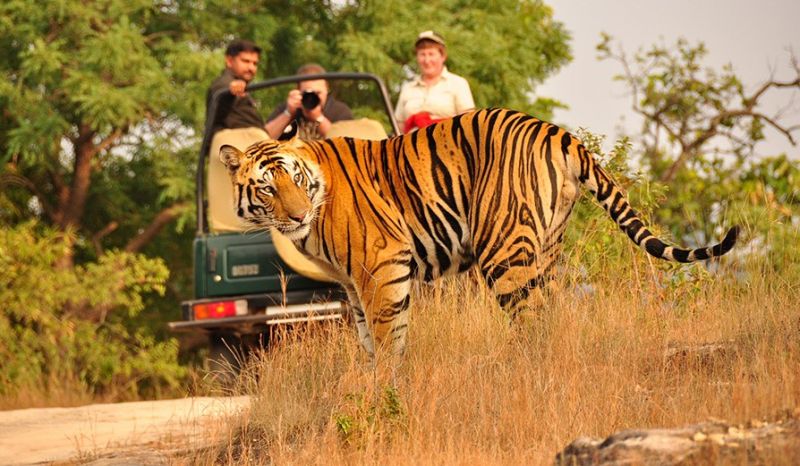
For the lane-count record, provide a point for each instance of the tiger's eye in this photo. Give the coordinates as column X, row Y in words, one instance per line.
column 297, row 178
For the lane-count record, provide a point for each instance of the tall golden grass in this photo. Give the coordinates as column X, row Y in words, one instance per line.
column 474, row 389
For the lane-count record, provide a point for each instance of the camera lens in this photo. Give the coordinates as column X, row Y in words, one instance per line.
column 310, row 100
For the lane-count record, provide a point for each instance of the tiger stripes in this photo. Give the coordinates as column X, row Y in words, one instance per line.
column 492, row 187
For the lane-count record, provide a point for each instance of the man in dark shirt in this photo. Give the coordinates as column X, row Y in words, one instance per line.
column 307, row 122
column 237, row 109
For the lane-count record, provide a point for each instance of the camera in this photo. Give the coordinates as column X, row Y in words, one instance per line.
column 310, row 100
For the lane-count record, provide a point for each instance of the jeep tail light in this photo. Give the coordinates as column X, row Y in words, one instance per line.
column 219, row 309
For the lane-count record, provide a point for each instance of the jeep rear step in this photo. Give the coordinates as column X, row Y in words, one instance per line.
column 254, row 312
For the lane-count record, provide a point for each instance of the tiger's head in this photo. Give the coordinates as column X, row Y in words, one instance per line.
column 274, row 186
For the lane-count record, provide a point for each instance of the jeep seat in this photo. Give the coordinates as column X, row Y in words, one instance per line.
column 363, row 128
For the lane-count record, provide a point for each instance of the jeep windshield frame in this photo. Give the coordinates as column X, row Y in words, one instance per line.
column 202, row 221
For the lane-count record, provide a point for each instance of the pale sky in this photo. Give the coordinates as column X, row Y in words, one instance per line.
column 751, row 35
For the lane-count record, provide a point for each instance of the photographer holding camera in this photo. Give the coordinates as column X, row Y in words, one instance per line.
column 309, row 110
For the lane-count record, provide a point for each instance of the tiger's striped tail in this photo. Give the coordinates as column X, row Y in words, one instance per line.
column 615, row 202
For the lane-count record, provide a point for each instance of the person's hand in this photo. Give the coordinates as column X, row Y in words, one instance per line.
column 237, row 87
column 294, row 101
column 313, row 114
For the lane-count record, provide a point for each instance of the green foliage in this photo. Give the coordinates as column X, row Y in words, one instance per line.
column 97, row 64
column 768, row 202
column 119, row 86
column 364, row 416
column 43, row 343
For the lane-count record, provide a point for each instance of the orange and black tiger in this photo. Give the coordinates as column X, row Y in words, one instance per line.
column 491, row 187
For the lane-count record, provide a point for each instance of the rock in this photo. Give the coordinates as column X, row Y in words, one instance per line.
column 710, row 442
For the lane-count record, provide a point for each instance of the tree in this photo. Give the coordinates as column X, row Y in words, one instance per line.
column 701, row 128
column 86, row 86
column 98, row 102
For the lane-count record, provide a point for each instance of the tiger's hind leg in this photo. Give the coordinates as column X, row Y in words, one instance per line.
column 521, row 285
column 520, row 268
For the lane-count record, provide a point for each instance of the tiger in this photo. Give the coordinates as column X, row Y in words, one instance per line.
column 492, row 187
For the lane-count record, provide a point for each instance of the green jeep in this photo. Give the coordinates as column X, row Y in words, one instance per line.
column 248, row 281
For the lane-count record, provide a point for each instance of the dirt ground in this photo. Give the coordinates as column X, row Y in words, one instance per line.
column 86, row 433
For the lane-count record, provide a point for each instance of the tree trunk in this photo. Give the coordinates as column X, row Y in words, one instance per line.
column 75, row 202
column 72, row 205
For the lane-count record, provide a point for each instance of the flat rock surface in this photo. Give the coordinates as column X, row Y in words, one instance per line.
column 45, row 435
column 711, row 442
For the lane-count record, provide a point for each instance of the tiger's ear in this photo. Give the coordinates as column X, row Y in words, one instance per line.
column 231, row 157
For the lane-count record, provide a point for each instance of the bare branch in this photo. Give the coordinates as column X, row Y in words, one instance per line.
column 786, row 131
column 753, row 100
column 736, row 139
column 656, row 117
column 108, row 141
column 673, row 169
column 161, row 219
column 97, row 237
column 743, row 113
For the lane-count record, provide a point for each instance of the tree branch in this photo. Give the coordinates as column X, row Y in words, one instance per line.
column 19, row 180
column 656, row 117
column 161, row 219
column 786, row 131
column 97, row 237
column 713, row 130
column 746, row 112
column 109, row 140
column 751, row 101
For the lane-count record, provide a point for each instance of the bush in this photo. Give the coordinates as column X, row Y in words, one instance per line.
column 67, row 325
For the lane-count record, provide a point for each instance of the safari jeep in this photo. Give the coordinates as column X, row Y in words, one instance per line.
column 246, row 282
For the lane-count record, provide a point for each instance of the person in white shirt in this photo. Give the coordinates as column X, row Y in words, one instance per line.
column 435, row 93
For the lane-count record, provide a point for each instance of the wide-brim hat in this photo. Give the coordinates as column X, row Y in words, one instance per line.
column 432, row 36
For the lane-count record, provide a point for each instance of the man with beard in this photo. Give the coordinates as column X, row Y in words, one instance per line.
column 237, row 109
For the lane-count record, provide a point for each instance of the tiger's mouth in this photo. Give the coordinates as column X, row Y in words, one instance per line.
column 291, row 229
column 295, row 232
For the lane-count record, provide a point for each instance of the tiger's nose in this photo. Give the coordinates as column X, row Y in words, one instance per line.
column 298, row 217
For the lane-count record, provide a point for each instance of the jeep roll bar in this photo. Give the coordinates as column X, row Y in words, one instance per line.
column 202, row 223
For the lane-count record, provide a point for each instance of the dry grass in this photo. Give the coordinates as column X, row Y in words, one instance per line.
column 67, row 392
column 475, row 390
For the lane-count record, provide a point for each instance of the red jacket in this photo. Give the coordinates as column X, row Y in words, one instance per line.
column 419, row 121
